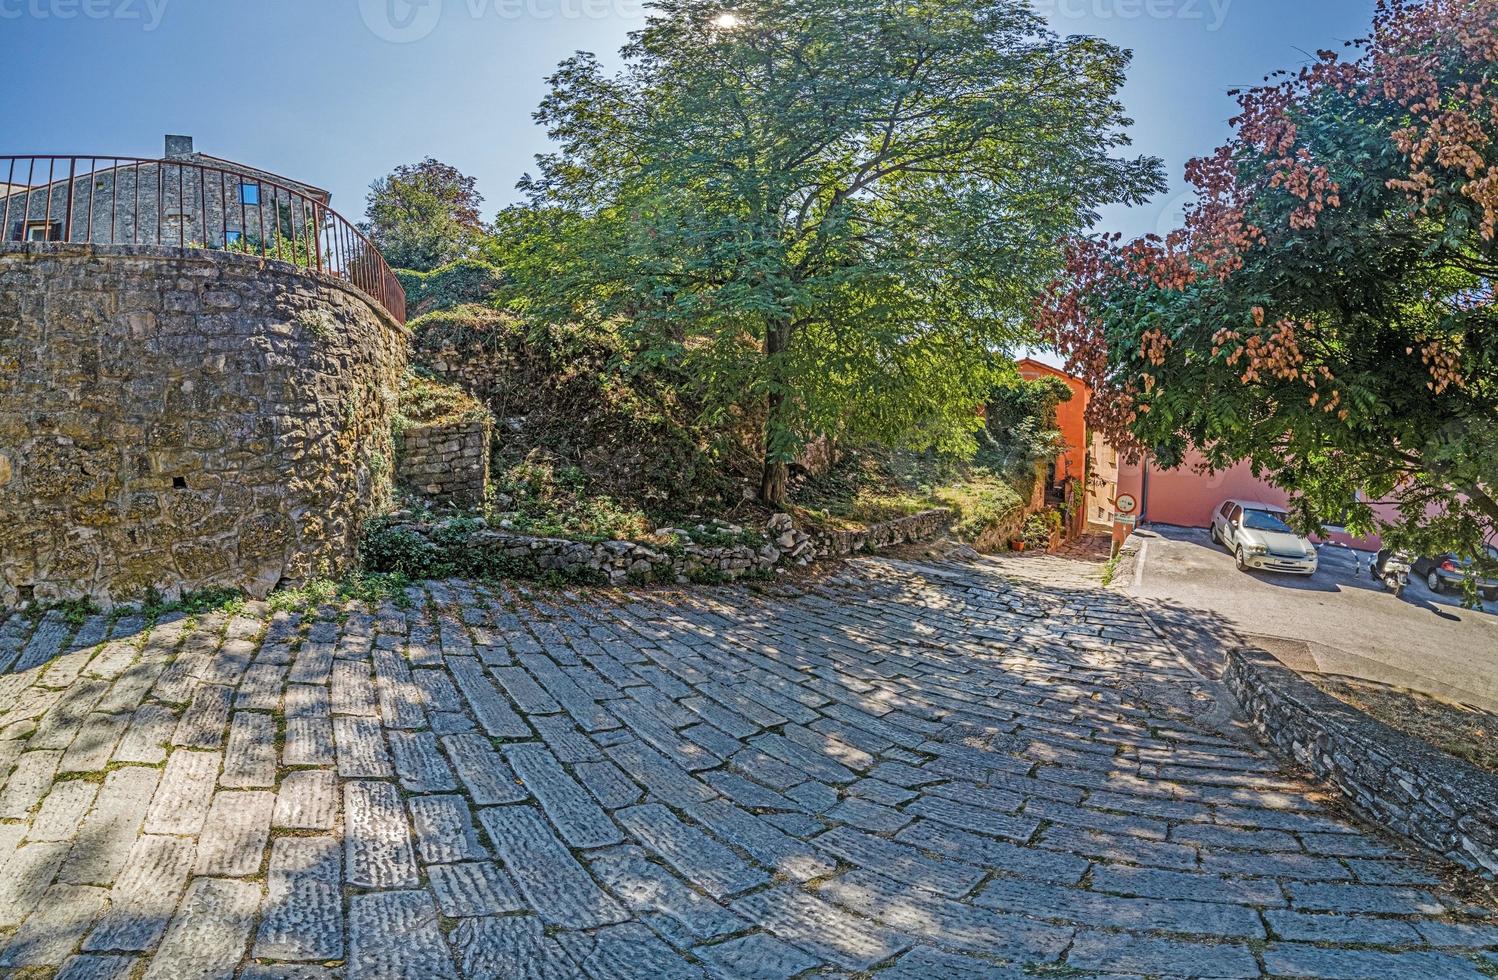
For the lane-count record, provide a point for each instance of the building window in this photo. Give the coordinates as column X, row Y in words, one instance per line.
column 233, row 237
column 42, row 231
column 249, row 194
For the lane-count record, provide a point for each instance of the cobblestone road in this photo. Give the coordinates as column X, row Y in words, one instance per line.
column 897, row 770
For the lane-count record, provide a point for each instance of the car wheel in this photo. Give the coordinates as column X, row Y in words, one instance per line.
column 1434, row 582
column 1242, row 561
column 1490, row 596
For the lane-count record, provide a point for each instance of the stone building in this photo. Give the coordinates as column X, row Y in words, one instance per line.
column 198, row 373
column 187, row 199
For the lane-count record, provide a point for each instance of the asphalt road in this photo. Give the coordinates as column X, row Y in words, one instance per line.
column 1338, row 621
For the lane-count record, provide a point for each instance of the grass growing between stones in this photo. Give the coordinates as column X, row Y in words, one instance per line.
column 365, row 587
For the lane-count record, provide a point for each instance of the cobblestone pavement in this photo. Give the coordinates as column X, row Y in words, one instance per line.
column 895, row 770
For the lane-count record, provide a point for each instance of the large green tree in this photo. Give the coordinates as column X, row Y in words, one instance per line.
column 424, row 215
column 832, row 215
column 1328, row 311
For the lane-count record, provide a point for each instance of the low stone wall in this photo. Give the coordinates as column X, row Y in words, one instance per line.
column 446, row 463
column 925, row 526
column 481, row 550
column 172, row 419
column 1398, row 782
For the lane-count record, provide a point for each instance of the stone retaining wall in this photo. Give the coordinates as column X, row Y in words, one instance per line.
column 495, row 551
column 175, row 419
column 926, row 525
column 446, row 463
column 1395, row 780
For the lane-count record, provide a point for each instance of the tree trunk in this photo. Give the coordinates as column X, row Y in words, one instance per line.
column 774, row 479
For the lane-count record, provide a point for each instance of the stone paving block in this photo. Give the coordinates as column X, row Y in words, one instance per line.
column 584, row 710
column 781, row 854
column 260, row 689
column 1137, row 954
column 648, row 887
column 511, row 947
column 1154, row 883
column 490, row 707
column 952, row 878
column 207, row 937
column 307, row 800
column 396, row 936
column 232, row 843
column 352, row 689
column 62, row 811
column 1295, row 960
column 25, row 877
column 659, row 775
column 608, row 784
column 109, row 831
column 473, row 888
column 145, row 895
column 943, row 922
column 148, row 736
column 444, row 830
column 377, row 838
column 487, row 777
column 302, row 915
column 181, row 802
column 52, row 932
column 250, row 759
column 628, row 952
column 572, row 811
column 419, row 764
column 821, row 929
column 656, row 733
column 925, row 963
column 695, row 855
column 361, row 748
column 549, row 877
column 60, row 725
column 1316, row 896
column 756, row 957
column 564, row 739
column 1012, row 859
column 28, row 783
column 95, row 743
column 1207, row 919
column 398, row 696
column 528, row 695
column 93, row 967
column 975, row 819
column 1347, row 929
column 203, row 723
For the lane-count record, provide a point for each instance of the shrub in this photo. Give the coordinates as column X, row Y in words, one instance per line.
column 981, row 505
column 449, row 286
column 426, row 401
column 1040, row 528
column 583, row 399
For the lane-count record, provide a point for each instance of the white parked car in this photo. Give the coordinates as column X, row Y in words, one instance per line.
column 1260, row 538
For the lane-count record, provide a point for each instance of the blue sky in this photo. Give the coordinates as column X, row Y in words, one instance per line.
column 337, row 92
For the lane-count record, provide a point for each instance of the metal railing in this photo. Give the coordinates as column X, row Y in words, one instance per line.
column 188, row 204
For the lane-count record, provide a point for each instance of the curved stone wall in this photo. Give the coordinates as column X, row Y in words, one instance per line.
column 176, row 419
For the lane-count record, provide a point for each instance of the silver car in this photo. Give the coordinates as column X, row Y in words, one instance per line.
column 1261, row 539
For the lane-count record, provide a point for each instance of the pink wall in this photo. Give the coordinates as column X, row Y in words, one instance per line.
column 1187, row 498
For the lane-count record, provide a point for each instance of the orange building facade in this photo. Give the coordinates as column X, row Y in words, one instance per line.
column 1185, row 496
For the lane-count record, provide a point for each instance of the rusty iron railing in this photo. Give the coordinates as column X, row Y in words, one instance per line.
column 185, row 203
